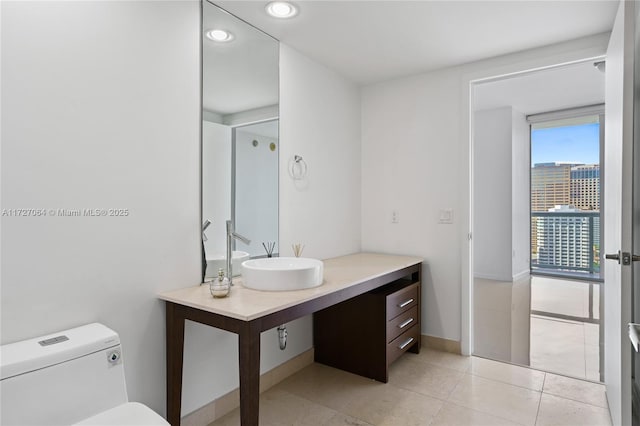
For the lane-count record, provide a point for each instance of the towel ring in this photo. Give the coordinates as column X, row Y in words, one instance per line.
column 298, row 168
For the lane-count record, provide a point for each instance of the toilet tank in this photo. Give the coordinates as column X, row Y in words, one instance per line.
column 61, row 378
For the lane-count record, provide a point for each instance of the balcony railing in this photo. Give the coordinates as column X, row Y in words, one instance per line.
column 566, row 242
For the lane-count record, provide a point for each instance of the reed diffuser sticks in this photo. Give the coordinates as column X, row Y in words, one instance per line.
column 269, row 247
column 297, row 249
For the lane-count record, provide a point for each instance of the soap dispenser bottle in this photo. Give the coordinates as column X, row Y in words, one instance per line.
column 219, row 287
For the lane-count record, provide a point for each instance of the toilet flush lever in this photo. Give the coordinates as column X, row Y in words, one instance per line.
column 53, row 340
column 114, row 357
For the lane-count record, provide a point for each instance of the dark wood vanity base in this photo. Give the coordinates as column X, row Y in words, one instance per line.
column 365, row 334
column 195, row 304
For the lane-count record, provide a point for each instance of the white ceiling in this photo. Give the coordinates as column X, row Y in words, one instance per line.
column 239, row 75
column 554, row 89
column 371, row 41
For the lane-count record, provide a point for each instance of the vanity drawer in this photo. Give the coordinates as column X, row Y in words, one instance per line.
column 402, row 300
column 402, row 343
column 365, row 334
column 402, row 323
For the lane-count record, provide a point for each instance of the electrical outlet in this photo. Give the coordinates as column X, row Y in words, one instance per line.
column 395, row 216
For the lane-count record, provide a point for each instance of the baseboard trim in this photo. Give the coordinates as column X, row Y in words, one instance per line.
column 230, row 401
column 517, row 277
column 440, row 344
column 491, row 277
column 521, row 275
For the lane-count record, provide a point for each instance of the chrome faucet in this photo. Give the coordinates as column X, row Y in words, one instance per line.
column 205, row 225
column 231, row 234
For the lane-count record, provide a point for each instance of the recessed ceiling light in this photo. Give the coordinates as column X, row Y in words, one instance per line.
column 220, row 36
column 281, row 9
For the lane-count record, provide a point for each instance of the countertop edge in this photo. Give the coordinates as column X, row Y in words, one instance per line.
column 169, row 296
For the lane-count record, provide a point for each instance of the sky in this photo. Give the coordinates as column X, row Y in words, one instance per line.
column 567, row 144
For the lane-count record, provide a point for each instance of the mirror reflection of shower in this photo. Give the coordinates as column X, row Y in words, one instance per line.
column 240, row 183
column 254, row 190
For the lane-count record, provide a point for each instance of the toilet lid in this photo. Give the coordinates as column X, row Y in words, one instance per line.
column 129, row 414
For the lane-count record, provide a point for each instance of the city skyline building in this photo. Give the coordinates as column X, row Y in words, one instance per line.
column 568, row 239
column 585, row 187
column 550, row 185
column 560, row 184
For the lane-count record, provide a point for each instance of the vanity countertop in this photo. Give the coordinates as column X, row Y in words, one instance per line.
column 247, row 304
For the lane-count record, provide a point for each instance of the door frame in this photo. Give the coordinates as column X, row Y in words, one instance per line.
column 482, row 72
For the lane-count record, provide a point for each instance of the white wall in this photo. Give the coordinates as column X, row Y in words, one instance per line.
column 411, row 163
column 216, row 186
column 100, row 109
column 320, row 121
column 501, row 194
column 493, row 198
column 416, row 158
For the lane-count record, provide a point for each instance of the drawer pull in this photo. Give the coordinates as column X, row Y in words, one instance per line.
column 405, row 344
column 403, row 304
column 406, row 323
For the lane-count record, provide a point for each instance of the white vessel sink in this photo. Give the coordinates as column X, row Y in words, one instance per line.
column 218, row 261
column 282, row 273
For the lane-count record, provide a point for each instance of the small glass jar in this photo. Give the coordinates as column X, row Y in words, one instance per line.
column 219, row 287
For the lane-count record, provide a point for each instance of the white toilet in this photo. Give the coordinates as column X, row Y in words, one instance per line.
column 75, row 376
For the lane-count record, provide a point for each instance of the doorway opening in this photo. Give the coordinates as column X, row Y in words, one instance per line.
column 537, row 220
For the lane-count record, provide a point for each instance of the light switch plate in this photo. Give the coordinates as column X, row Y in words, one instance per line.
column 395, row 216
column 446, row 216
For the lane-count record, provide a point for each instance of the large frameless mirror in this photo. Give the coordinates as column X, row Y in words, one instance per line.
column 240, row 146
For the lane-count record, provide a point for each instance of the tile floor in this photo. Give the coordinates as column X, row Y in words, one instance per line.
column 432, row 388
column 567, row 347
column 511, row 325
